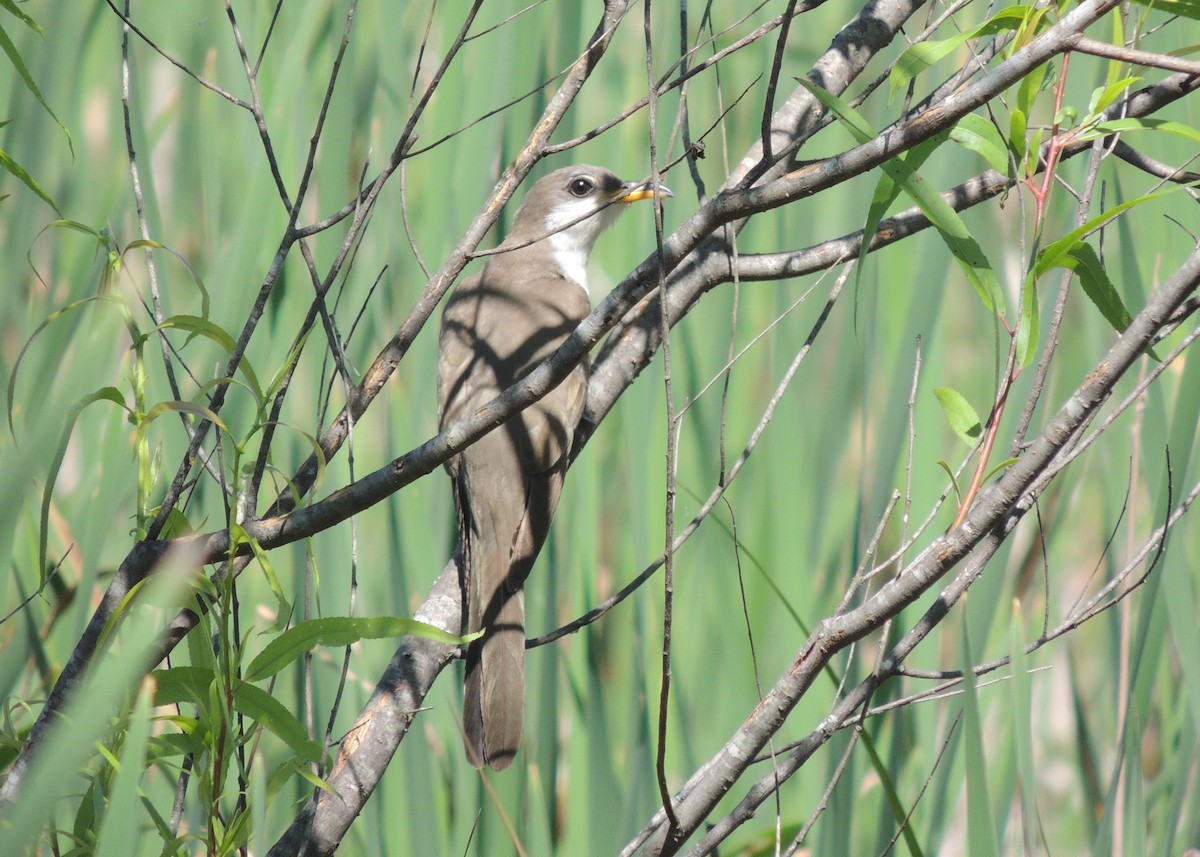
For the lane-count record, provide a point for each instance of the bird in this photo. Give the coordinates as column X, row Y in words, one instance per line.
column 497, row 326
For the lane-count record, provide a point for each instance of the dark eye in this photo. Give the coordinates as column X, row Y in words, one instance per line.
column 581, row 186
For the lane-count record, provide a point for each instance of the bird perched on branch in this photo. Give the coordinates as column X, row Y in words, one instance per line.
column 497, row 326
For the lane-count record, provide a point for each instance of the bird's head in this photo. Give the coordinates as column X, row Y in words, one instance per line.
column 574, row 205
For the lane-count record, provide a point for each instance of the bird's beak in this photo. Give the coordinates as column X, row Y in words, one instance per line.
column 635, row 191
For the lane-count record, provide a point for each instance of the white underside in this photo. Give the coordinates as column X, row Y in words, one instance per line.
column 573, row 245
column 571, row 259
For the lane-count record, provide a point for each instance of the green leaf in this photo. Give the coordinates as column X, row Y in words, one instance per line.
column 960, row 415
column 195, row 325
column 1016, row 134
column 292, row 767
column 284, row 371
column 200, row 326
column 888, row 189
column 19, row 64
column 1055, row 255
column 1066, row 115
column 1008, row 462
column 18, row 172
column 12, row 8
column 1030, row 324
column 177, row 525
column 161, row 408
column 1182, row 8
column 146, row 243
column 941, row 214
column 941, row 462
column 1103, row 96
column 182, row 684
column 1098, row 287
column 272, row 715
column 283, row 611
column 922, row 55
column 1115, row 126
column 981, row 136
column 1031, row 86
column 337, row 631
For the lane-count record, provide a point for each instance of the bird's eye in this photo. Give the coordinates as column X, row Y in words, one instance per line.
column 581, row 186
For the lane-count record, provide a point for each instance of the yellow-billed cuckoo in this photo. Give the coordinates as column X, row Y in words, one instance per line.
column 497, row 326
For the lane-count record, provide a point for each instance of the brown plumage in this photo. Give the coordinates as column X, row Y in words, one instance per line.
column 497, row 326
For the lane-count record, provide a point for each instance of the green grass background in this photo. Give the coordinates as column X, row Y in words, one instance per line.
column 804, row 508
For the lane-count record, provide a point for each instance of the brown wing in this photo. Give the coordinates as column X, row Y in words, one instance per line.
column 508, row 483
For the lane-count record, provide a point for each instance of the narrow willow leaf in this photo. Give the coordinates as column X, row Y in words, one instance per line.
column 981, row 136
column 887, row 189
column 922, row 55
column 941, row 462
column 1098, row 287
column 284, row 773
column 161, row 408
column 12, row 7
column 1165, row 126
column 1182, row 8
column 337, row 631
column 1016, row 134
column 177, row 524
column 236, row 833
column 195, row 325
column 919, row 57
column 181, row 684
column 14, row 57
column 1031, row 85
column 272, row 715
column 941, row 214
column 21, row 174
column 148, row 244
column 173, row 744
column 284, row 371
column 283, row 607
column 1053, row 255
column 305, row 773
column 1066, row 116
column 1029, row 329
column 1008, row 462
column 1035, row 20
column 1103, row 96
column 959, row 414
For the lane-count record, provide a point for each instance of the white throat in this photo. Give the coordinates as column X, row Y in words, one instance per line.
column 573, row 245
column 571, row 258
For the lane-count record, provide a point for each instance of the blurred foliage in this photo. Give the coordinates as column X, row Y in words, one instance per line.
column 1089, row 748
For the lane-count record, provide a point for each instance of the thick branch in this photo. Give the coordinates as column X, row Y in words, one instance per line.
column 988, row 515
column 141, row 560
